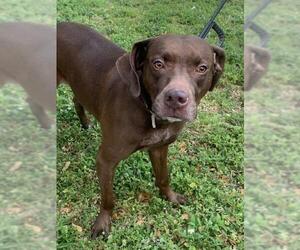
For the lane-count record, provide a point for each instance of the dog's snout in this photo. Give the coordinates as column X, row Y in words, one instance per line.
column 176, row 98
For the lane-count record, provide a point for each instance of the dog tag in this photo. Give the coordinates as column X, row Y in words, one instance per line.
column 153, row 120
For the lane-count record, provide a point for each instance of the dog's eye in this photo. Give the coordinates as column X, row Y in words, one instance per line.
column 158, row 64
column 201, row 69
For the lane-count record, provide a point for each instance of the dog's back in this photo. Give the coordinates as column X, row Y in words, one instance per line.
column 28, row 58
column 84, row 57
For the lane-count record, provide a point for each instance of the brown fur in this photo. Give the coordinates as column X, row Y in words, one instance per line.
column 108, row 82
column 28, row 58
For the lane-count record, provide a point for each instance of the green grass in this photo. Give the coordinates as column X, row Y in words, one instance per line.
column 272, row 136
column 27, row 169
column 28, row 10
column 206, row 161
column 27, row 154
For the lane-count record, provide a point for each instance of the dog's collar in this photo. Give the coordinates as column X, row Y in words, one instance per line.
column 146, row 99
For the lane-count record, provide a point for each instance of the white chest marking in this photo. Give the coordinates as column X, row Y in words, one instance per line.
column 159, row 136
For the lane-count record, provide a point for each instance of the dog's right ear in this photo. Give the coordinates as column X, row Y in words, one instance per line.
column 260, row 57
column 219, row 61
column 130, row 66
column 256, row 61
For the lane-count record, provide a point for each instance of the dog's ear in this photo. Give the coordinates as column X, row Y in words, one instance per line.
column 260, row 57
column 130, row 66
column 219, row 61
column 256, row 61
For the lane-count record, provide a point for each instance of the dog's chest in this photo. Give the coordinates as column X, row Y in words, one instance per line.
column 158, row 137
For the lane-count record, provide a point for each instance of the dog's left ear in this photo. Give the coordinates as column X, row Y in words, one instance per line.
column 219, row 61
column 130, row 66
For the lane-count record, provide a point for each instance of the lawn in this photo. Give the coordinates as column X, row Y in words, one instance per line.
column 206, row 161
column 27, row 154
column 28, row 175
column 272, row 135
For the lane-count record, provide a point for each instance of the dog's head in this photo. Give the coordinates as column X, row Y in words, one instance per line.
column 176, row 72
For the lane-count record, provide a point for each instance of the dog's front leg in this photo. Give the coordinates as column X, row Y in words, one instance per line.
column 107, row 159
column 158, row 157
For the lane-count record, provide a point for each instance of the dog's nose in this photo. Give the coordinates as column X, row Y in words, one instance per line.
column 176, row 98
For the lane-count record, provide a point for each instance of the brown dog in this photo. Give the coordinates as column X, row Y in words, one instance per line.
column 28, row 58
column 142, row 98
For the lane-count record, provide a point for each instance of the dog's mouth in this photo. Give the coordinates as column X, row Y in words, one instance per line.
column 172, row 119
column 171, row 115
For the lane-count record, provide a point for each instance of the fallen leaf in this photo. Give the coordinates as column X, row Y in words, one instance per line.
column 118, row 214
column 144, row 197
column 140, row 221
column 297, row 191
column 185, row 216
column 225, row 179
column 182, row 147
column 12, row 148
column 67, row 164
column 13, row 210
column 198, row 169
column 16, row 166
column 78, row 228
column 65, row 210
column 157, row 233
column 33, row 228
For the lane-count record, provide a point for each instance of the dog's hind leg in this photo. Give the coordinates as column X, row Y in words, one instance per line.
column 39, row 112
column 84, row 120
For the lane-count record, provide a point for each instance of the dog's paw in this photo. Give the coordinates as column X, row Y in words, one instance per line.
column 46, row 125
column 85, row 125
column 101, row 226
column 44, row 120
column 85, row 122
column 175, row 198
